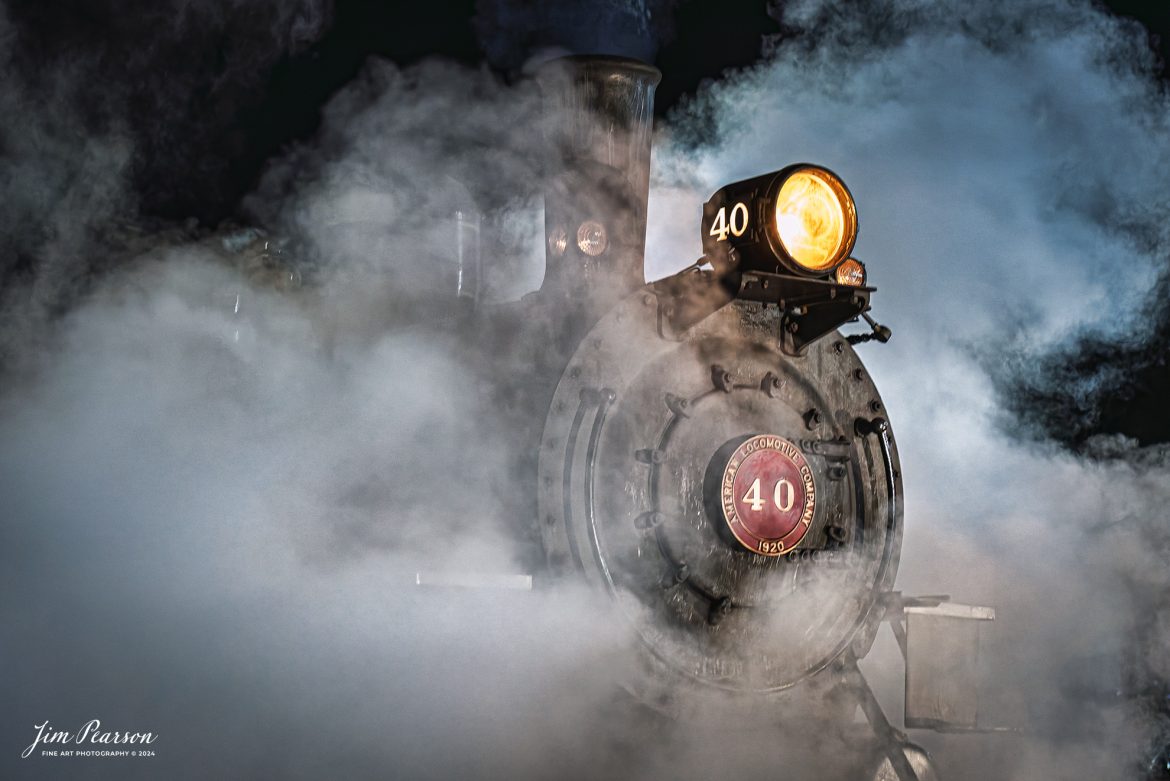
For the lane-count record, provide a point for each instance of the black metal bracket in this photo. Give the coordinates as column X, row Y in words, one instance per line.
column 809, row 308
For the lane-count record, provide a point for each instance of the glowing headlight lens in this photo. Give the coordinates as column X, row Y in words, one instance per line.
column 815, row 218
column 592, row 238
column 851, row 272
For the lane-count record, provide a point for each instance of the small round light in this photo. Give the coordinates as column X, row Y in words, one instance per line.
column 592, row 238
column 851, row 272
column 558, row 241
column 816, row 220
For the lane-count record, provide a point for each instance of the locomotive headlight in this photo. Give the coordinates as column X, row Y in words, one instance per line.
column 592, row 238
column 558, row 241
column 814, row 218
column 851, row 272
column 801, row 219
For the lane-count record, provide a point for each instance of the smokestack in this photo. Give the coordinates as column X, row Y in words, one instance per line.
column 600, row 113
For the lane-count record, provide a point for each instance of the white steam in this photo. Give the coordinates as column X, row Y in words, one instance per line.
column 1006, row 186
column 214, row 537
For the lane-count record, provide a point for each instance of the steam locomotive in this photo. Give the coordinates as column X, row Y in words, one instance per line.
column 710, row 453
column 709, row 448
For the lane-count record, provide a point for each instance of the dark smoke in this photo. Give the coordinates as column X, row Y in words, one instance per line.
column 121, row 120
column 179, row 79
column 1097, row 388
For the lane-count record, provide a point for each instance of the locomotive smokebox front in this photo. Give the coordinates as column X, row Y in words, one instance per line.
column 742, row 505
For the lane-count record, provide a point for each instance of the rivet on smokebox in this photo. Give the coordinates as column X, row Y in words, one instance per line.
column 770, row 384
column 859, row 374
column 875, row 405
column 673, row 577
column 720, row 609
column 678, row 405
column 865, row 427
column 649, row 520
column 812, row 418
column 649, row 456
column 721, row 378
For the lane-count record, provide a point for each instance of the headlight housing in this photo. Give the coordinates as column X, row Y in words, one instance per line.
column 800, row 219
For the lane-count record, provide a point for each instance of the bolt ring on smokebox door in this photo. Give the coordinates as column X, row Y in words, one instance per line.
column 623, row 495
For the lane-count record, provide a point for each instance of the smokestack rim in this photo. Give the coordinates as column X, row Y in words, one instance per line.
column 603, row 64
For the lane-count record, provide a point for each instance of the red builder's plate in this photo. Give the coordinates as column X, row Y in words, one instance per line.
column 768, row 495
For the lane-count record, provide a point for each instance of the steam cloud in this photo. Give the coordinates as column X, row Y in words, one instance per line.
column 212, row 518
column 983, row 146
